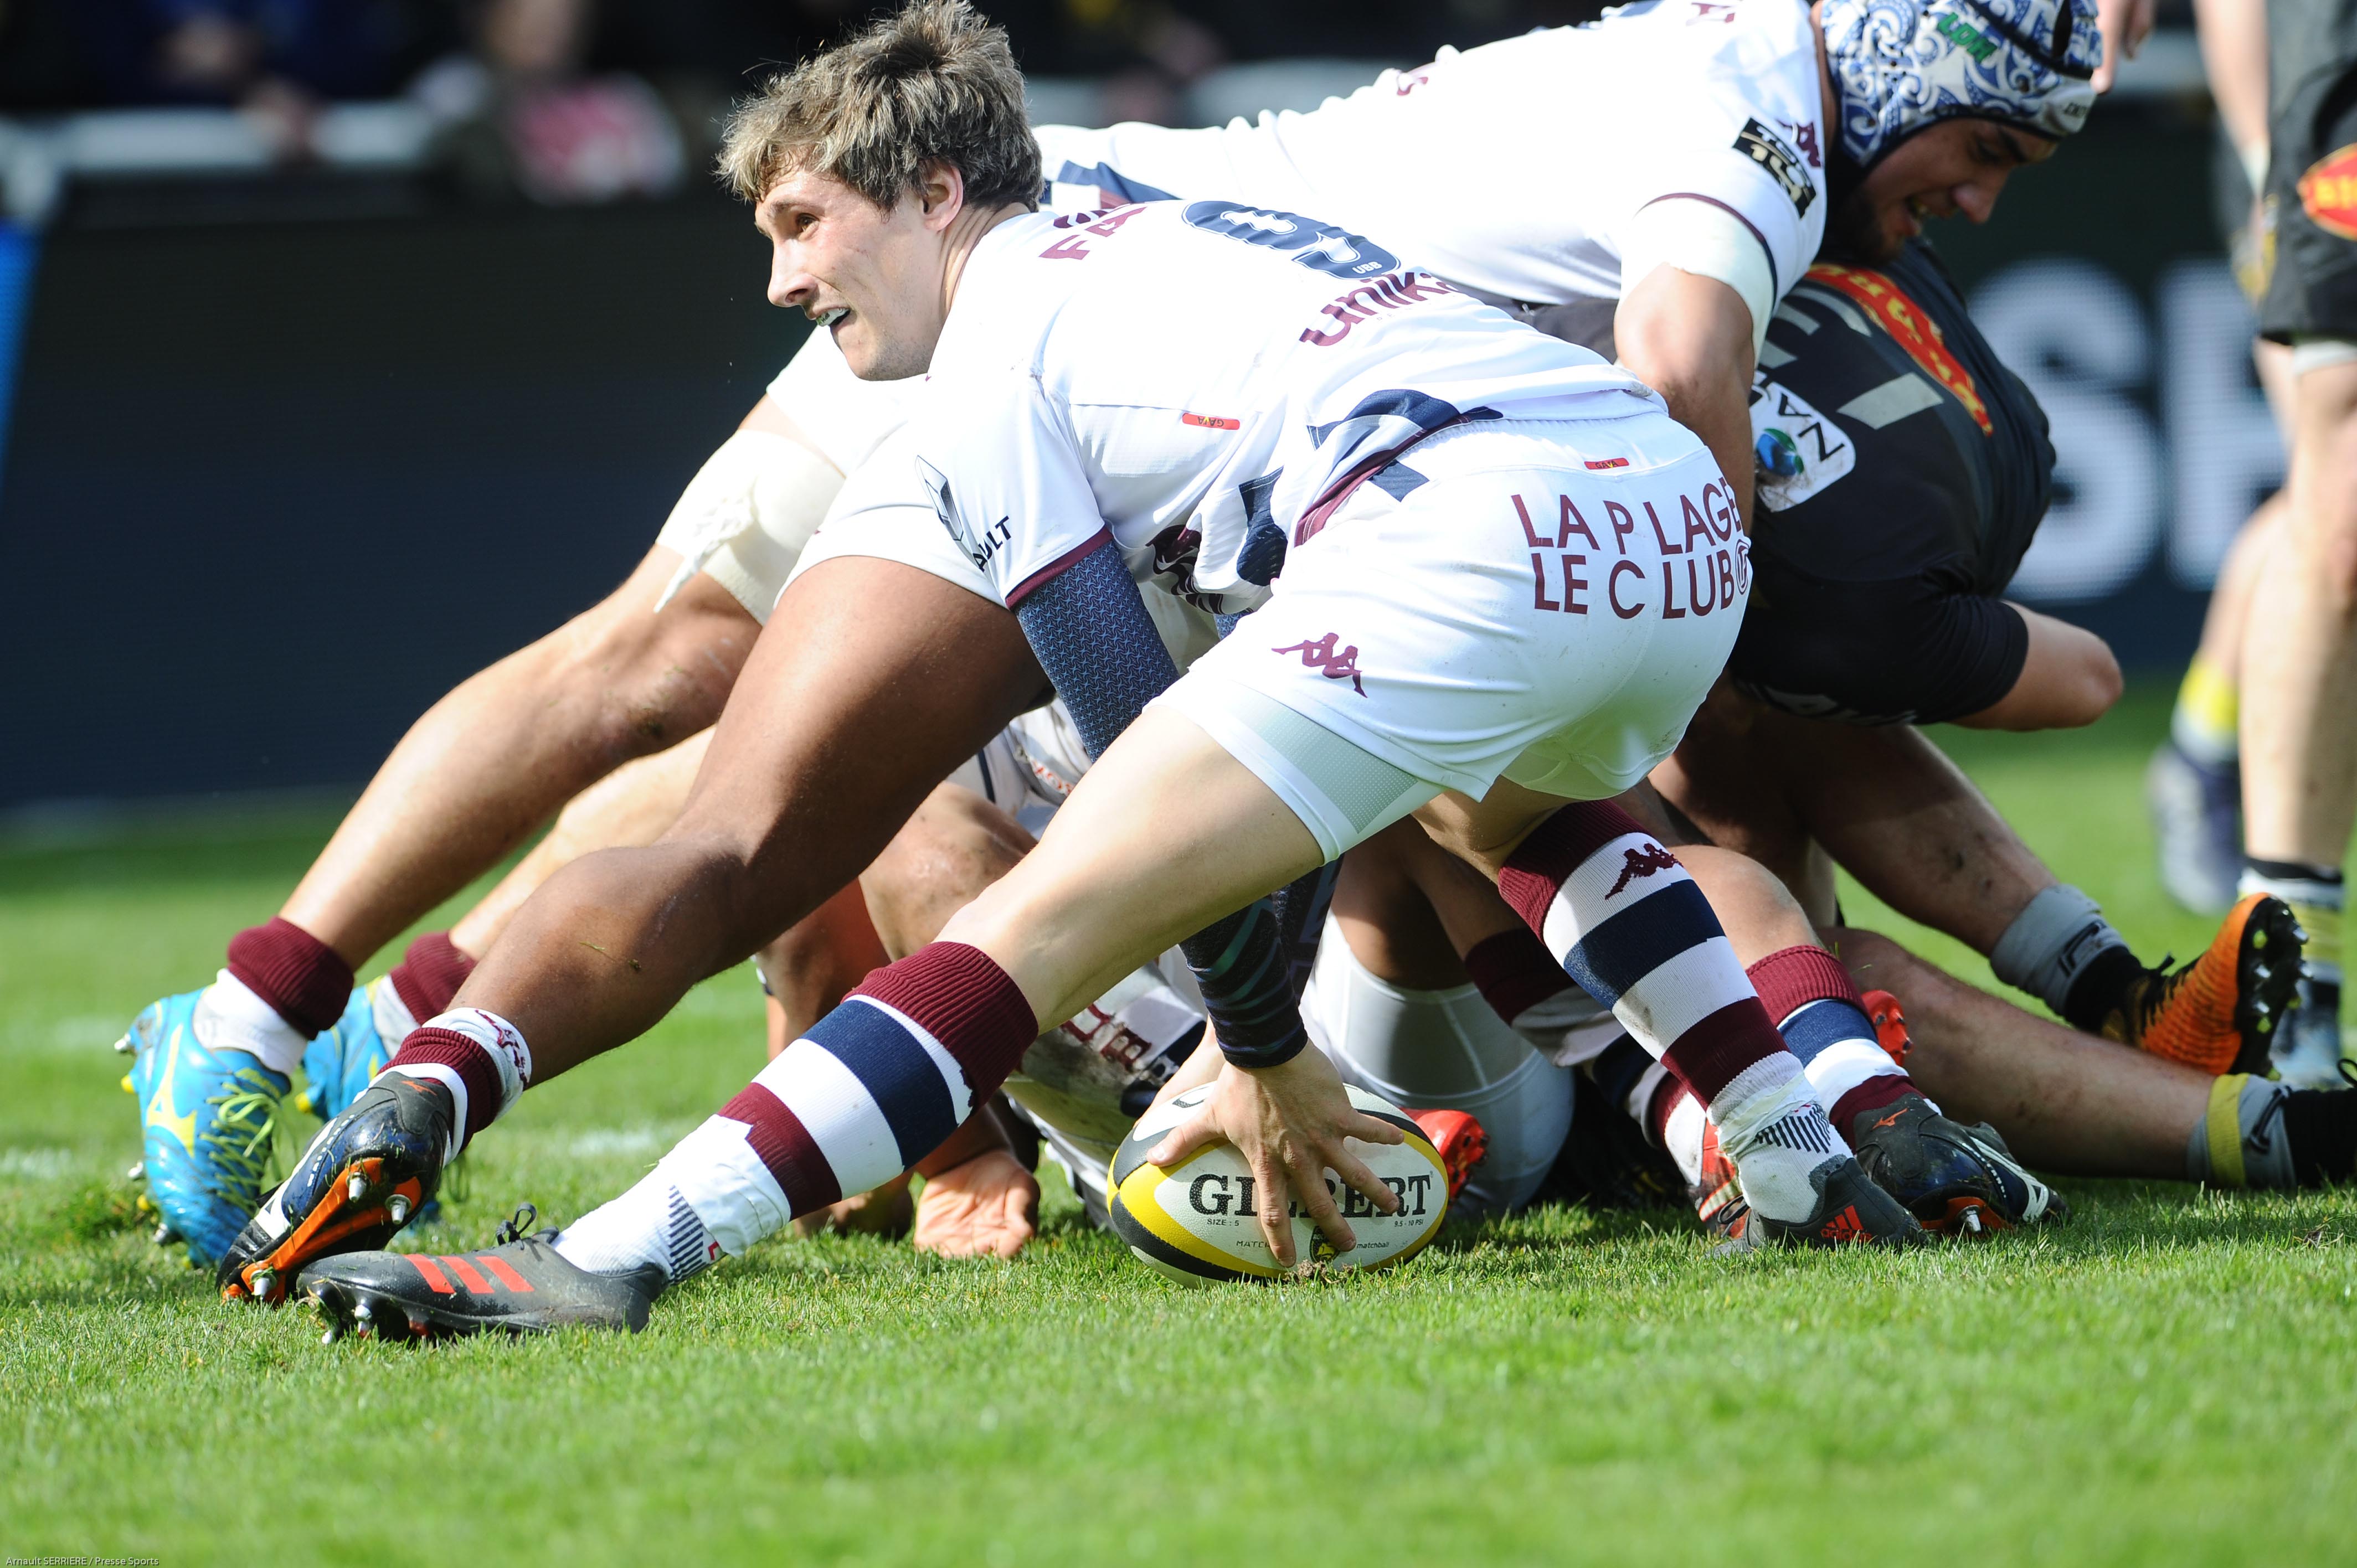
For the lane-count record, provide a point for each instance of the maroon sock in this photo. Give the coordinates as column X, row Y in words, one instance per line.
column 1789, row 980
column 1876, row 1092
column 1514, row 971
column 470, row 1061
column 303, row 978
column 429, row 975
column 1666, row 1095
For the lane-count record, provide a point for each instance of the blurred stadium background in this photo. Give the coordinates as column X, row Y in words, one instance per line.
column 346, row 345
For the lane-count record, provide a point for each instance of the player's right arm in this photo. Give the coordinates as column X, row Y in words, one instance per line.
column 1689, row 336
column 2068, row 678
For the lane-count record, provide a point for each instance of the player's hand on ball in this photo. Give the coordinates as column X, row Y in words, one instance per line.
column 1289, row 1123
column 986, row 1207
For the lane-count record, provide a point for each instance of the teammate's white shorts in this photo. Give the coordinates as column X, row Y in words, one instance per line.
column 1548, row 602
column 1444, row 1050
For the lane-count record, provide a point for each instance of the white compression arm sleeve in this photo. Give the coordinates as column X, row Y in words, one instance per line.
column 1707, row 240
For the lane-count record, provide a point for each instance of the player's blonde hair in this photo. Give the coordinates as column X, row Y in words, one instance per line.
column 935, row 83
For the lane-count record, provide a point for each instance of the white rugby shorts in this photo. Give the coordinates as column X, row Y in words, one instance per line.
column 1549, row 604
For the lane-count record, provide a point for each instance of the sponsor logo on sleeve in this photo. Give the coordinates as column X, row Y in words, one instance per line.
column 2327, row 193
column 978, row 549
column 1911, row 329
column 1778, row 156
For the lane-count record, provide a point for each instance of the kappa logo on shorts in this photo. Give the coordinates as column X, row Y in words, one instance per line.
column 1321, row 656
column 1636, row 864
column 2328, row 192
column 1774, row 154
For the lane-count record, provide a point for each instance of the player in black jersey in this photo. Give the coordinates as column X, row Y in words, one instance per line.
column 1903, row 473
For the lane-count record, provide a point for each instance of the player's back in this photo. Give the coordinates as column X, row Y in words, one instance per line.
column 1513, row 168
column 1215, row 367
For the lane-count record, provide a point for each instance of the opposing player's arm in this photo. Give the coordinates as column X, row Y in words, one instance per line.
column 2068, row 678
column 1690, row 337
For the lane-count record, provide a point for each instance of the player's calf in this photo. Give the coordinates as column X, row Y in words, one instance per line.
column 1628, row 924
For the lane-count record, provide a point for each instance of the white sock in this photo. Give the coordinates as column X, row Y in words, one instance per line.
column 1682, row 1137
column 231, row 1017
column 651, row 1223
column 710, row 1195
column 393, row 1019
column 1770, row 1125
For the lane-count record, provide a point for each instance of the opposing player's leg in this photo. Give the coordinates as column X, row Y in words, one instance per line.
column 2299, row 703
column 2194, row 783
column 1893, row 808
column 874, row 681
column 2068, row 1102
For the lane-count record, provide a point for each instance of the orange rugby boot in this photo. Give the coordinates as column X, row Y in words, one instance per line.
column 2220, row 1012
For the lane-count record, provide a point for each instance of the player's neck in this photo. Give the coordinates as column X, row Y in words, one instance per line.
column 966, row 234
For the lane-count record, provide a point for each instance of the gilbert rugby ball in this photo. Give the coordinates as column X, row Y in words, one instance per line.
column 1201, row 1222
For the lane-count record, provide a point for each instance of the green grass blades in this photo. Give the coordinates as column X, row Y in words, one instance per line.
column 2169, row 1378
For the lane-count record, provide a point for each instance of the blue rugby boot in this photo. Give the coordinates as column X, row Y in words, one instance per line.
column 346, row 1057
column 364, row 1177
column 205, row 1118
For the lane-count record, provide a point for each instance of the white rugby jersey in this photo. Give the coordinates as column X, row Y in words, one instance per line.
column 1196, row 378
column 1518, row 168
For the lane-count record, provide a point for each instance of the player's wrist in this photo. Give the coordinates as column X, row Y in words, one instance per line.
column 1261, row 1059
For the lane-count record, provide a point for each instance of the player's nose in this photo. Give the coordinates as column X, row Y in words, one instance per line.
column 1976, row 198
column 790, row 284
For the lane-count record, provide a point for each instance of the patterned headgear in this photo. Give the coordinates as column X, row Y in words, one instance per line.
column 1901, row 65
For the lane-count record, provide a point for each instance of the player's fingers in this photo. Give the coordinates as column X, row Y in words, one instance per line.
column 1276, row 1219
column 1022, row 1217
column 1372, row 1130
column 1318, row 1204
column 1354, row 1171
column 1199, row 1131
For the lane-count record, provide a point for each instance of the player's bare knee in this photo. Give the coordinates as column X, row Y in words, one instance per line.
column 955, row 845
column 1758, row 912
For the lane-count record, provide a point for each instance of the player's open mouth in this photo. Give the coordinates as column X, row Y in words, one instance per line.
column 827, row 319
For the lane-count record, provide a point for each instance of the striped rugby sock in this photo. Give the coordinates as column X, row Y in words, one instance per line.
column 1818, row 1010
column 872, row 1088
column 1629, row 927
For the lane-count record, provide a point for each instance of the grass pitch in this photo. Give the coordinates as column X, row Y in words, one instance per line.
column 2172, row 1376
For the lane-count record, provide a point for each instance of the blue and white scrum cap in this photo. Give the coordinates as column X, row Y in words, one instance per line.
column 1902, row 65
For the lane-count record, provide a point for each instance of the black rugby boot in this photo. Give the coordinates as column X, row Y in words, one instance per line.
column 1850, row 1211
column 520, row 1286
column 1956, row 1180
column 358, row 1184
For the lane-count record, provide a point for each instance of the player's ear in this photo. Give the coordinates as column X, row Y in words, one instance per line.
column 940, row 190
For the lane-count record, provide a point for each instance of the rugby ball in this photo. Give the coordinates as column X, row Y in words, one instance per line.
column 1201, row 1222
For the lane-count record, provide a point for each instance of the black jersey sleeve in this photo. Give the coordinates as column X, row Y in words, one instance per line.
column 1921, row 650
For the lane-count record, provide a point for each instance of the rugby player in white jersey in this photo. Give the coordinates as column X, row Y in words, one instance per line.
column 1930, row 140
column 1073, row 410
